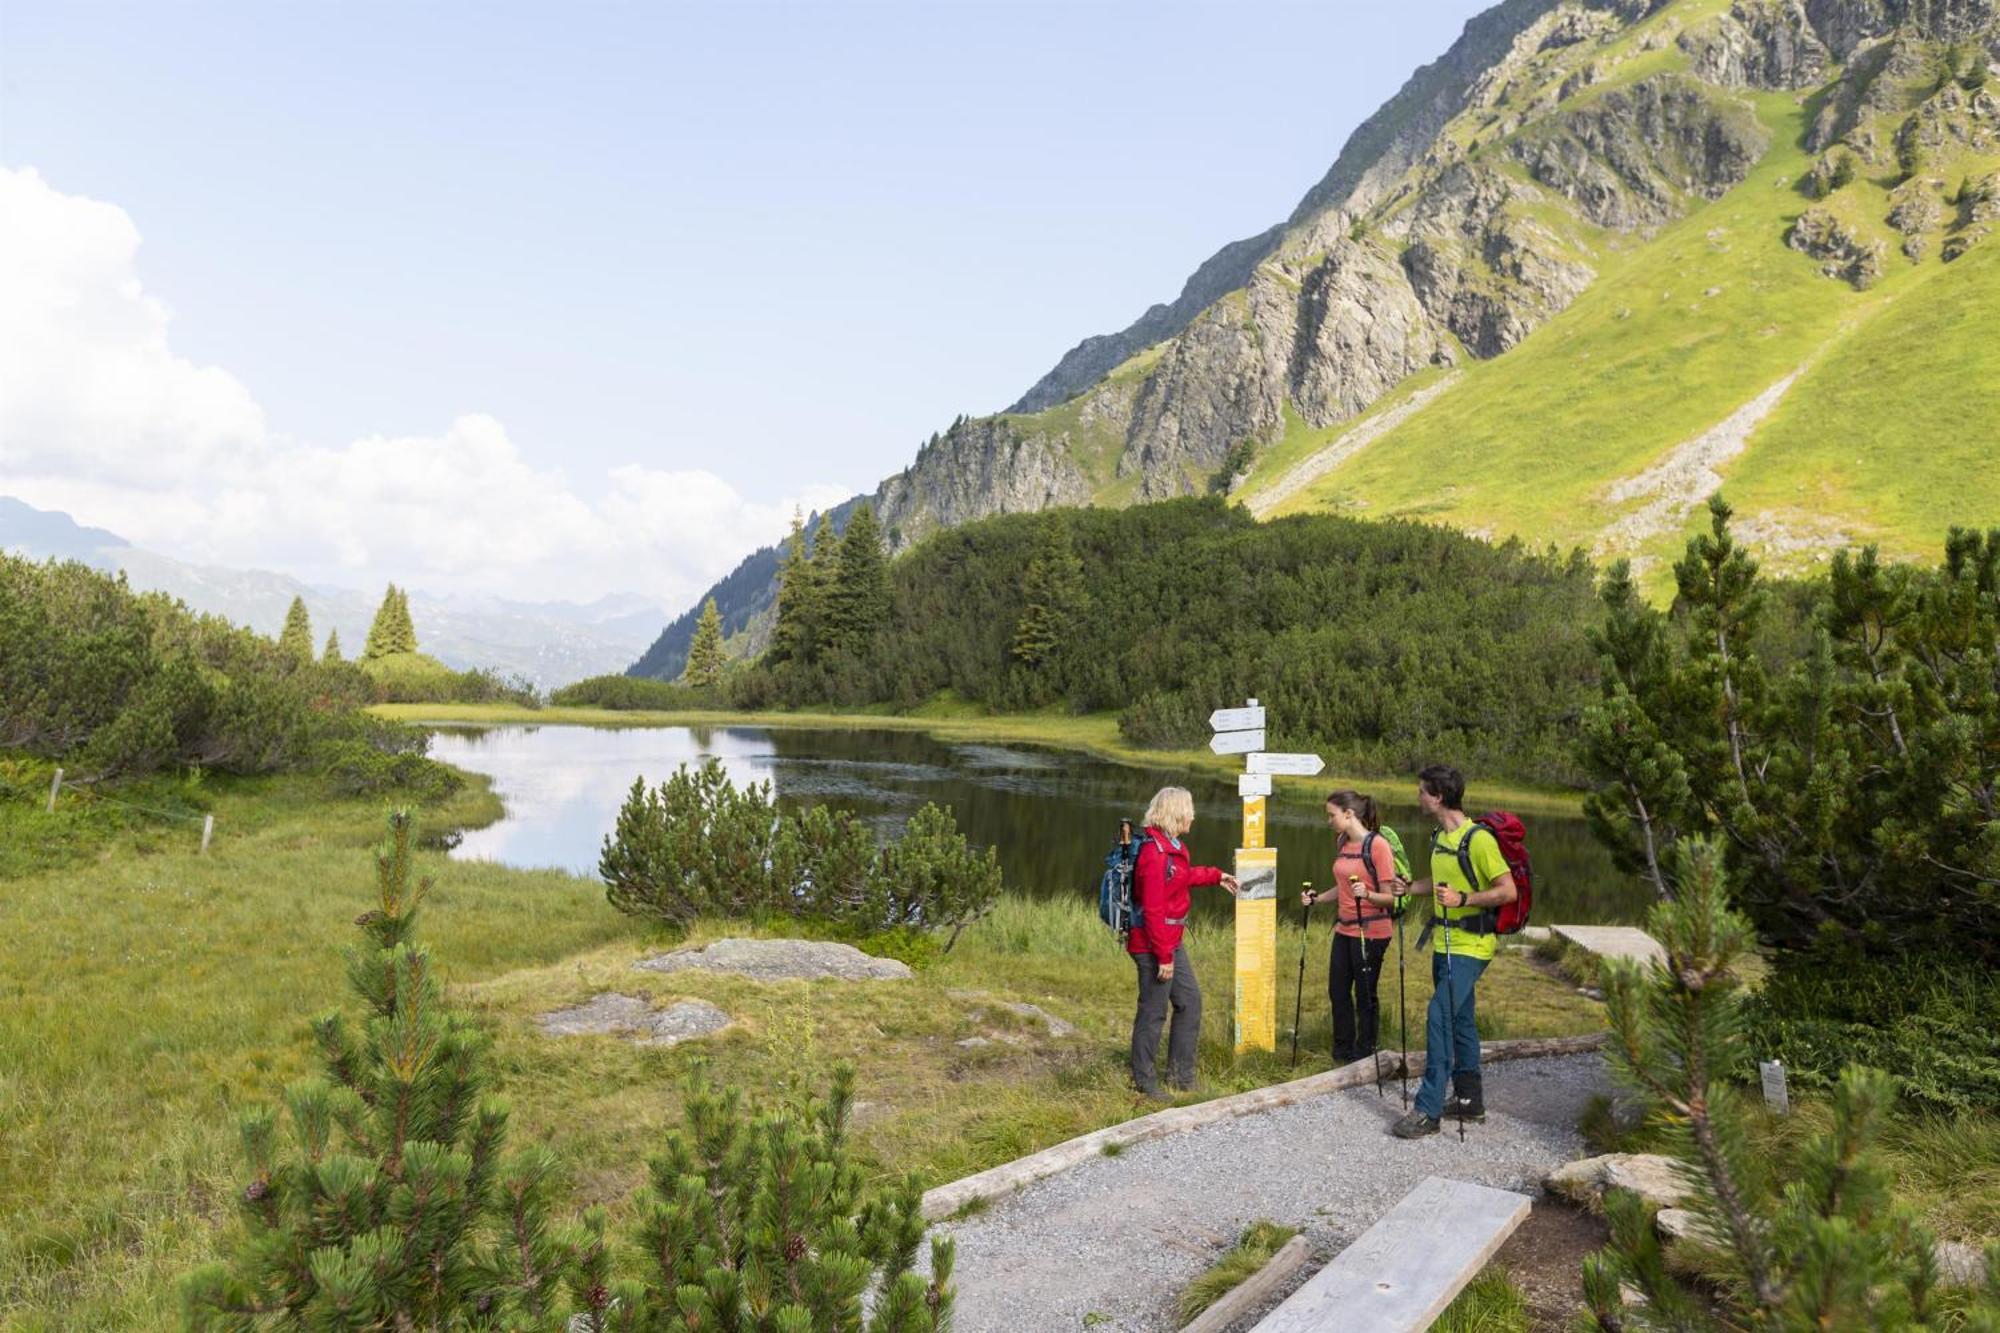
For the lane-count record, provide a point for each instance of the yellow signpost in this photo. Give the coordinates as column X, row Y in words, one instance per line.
column 1241, row 731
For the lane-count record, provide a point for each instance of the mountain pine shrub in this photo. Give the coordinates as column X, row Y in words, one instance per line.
column 1821, row 1246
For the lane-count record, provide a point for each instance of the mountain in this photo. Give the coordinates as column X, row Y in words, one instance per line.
column 549, row 643
column 1597, row 261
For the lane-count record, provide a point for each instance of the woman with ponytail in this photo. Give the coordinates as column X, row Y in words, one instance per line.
column 1364, row 891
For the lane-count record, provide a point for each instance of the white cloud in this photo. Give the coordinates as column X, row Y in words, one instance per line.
column 98, row 417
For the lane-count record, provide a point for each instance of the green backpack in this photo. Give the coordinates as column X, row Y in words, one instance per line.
column 1402, row 862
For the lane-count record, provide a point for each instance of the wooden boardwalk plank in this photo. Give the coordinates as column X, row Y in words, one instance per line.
column 1614, row 942
column 1402, row 1272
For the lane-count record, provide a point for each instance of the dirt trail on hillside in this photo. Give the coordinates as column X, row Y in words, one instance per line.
column 1326, row 459
column 1684, row 479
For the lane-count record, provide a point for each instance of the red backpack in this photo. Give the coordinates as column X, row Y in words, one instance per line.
column 1512, row 835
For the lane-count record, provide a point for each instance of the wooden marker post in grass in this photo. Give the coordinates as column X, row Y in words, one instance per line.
column 1241, row 731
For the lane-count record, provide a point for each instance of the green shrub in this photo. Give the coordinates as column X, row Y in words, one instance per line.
column 1932, row 1022
column 357, row 768
column 633, row 692
column 696, row 845
column 417, row 678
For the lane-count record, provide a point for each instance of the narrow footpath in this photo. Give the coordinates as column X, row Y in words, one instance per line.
column 1111, row 1243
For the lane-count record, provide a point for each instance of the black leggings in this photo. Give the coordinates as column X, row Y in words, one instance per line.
column 1350, row 983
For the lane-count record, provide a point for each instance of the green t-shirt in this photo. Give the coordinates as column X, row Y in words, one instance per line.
column 1488, row 864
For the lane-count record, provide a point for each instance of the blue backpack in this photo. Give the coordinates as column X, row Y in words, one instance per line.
column 1117, row 906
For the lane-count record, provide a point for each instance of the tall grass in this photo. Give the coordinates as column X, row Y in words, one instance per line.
column 1238, row 1264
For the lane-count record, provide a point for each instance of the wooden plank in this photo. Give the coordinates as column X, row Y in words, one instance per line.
column 999, row 1181
column 1254, row 1290
column 1403, row 1271
column 1614, row 942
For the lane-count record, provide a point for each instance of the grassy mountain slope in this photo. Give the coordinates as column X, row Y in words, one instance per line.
column 1886, row 434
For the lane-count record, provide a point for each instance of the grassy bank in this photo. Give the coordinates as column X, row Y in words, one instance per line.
column 153, row 993
column 1094, row 734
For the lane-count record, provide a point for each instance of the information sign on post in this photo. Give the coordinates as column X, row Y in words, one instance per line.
column 1257, row 949
column 1236, row 742
column 1301, row 765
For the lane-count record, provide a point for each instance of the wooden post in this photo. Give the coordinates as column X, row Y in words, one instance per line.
column 207, row 831
column 54, row 787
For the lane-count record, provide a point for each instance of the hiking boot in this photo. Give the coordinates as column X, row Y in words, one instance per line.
column 1469, row 1099
column 1415, row 1125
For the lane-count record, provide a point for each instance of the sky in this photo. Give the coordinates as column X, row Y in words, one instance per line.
column 562, row 299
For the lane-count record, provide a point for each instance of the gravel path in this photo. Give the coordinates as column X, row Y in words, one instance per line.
column 1110, row 1244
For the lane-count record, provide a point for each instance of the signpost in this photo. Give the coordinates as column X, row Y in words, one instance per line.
column 1241, row 731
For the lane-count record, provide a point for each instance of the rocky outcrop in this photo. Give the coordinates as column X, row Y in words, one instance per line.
column 1758, row 44
column 1372, row 160
column 1843, row 253
column 1916, row 211
column 611, row 1014
column 978, row 468
column 1360, row 330
column 1872, row 83
column 1627, row 159
column 780, row 960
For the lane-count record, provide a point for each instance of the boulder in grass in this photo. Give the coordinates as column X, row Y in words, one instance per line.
column 611, row 1014
column 780, row 960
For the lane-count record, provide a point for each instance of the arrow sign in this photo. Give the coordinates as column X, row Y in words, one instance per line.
column 1304, row 765
column 1236, row 719
column 1236, row 742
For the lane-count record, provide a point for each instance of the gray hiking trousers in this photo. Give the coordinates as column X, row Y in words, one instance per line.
column 1184, row 993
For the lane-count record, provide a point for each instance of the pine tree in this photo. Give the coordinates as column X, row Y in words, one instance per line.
column 392, row 630
column 332, row 655
column 1054, row 589
column 858, row 602
column 295, row 641
column 1825, row 1249
column 388, row 1202
column 704, row 660
column 798, row 589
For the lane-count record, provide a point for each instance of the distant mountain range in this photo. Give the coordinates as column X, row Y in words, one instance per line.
column 549, row 643
column 1599, row 260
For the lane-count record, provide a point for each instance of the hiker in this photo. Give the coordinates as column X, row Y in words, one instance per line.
column 1161, row 878
column 1463, row 920
column 1364, row 896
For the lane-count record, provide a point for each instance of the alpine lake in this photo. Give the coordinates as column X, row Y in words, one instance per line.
column 1052, row 814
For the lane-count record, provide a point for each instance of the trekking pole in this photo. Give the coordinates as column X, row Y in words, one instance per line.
column 1299, row 1004
column 1403, row 1010
column 1450, row 1012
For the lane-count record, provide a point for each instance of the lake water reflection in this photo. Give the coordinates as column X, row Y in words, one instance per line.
column 1050, row 813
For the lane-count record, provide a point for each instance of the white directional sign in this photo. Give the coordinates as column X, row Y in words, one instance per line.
column 1303, row 764
column 1236, row 719
column 1237, row 742
column 1253, row 784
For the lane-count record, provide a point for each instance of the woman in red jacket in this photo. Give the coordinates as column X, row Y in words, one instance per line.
column 1161, row 878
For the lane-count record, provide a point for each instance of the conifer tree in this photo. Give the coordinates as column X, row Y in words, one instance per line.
column 858, row 602
column 704, row 661
column 295, row 641
column 798, row 589
column 387, row 1200
column 1827, row 1249
column 392, row 630
column 1055, row 593
column 332, row 656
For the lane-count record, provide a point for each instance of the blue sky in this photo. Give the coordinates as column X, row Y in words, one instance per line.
column 777, row 244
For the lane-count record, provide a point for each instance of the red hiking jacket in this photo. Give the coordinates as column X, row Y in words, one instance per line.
column 1161, row 879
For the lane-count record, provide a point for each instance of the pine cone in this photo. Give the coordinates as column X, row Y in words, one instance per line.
column 597, row 1297
column 795, row 1248
column 256, row 1190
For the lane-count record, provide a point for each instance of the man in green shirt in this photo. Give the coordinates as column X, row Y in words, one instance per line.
column 1462, row 916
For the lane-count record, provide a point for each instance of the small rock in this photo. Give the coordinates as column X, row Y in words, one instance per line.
column 630, row 1015
column 1056, row 1026
column 780, row 960
column 1654, row 1178
column 1534, row 934
column 1682, row 1224
column 1959, row 1264
column 973, row 1043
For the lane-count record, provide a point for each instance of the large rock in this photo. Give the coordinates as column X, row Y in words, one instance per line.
column 1656, row 1179
column 1758, row 44
column 1842, row 253
column 780, row 960
column 612, row 1014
